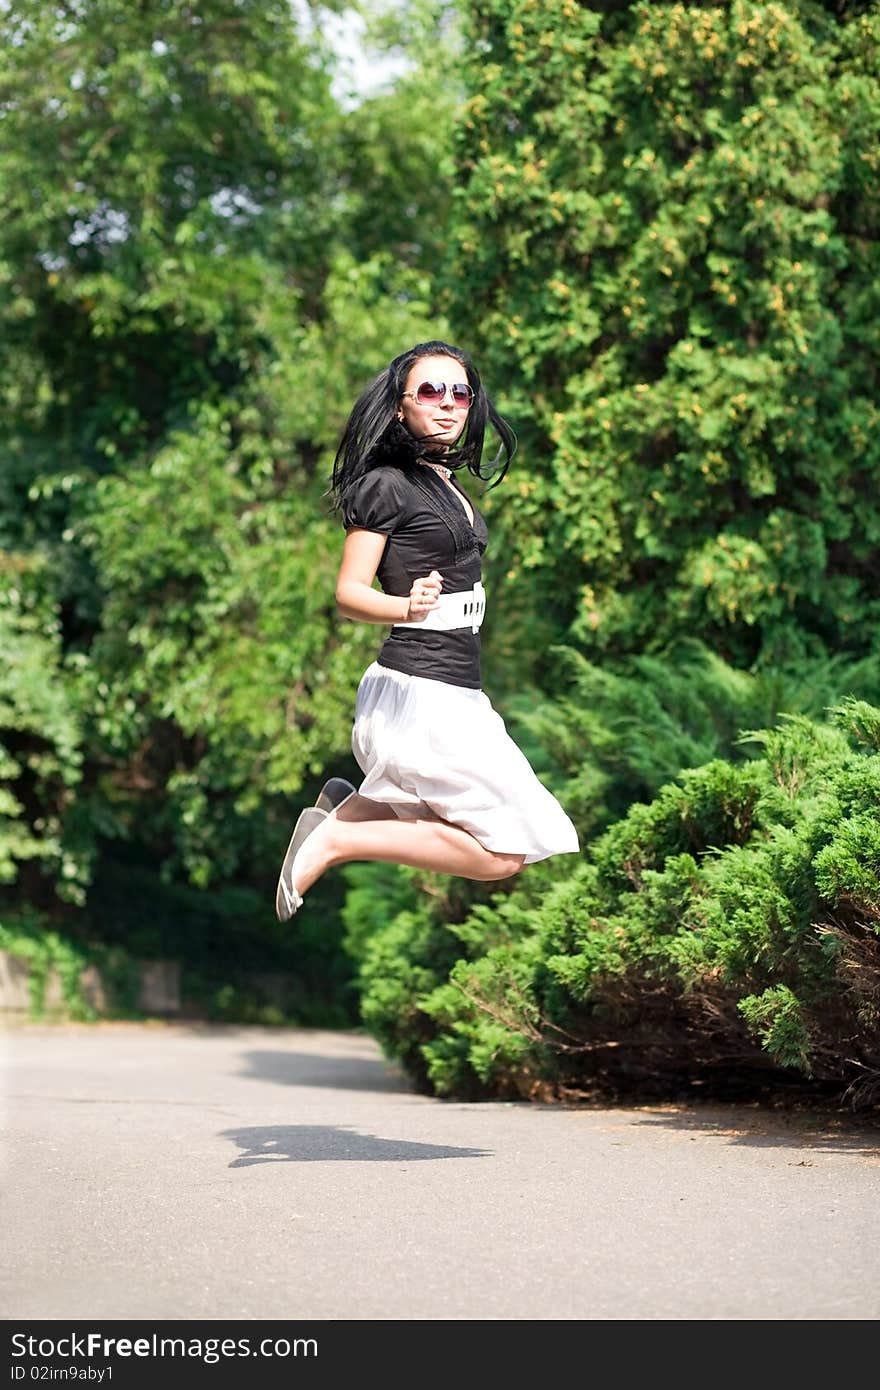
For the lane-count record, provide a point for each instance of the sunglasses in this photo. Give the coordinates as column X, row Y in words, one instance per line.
column 433, row 392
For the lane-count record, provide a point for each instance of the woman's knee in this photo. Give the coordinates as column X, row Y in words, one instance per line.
column 504, row 866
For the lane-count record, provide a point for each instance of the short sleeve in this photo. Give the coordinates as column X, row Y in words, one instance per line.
column 375, row 502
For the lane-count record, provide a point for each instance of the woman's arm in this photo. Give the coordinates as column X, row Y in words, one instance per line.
column 357, row 599
column 355, row 596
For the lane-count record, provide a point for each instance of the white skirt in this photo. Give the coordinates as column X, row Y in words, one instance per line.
column 439, row 751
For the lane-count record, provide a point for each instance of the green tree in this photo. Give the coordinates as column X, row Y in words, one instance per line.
column 666, row 252
column 190, row 299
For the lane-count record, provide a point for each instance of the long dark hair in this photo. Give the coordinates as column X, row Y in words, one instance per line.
column 374, row 435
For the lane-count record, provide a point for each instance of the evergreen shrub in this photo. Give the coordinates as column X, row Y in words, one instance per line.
column 725, row 933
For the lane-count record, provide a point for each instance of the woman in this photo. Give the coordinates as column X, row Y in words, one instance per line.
column 445, row 787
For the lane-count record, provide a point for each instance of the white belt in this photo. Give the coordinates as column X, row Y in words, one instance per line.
column 464, row 609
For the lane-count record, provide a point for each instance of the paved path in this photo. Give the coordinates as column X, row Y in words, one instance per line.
column 158, row 1171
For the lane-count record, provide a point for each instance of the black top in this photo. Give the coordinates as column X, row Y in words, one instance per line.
column 427, row 529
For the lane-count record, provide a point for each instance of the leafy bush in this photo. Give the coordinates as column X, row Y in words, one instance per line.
column 727, row 931
column 612, row 733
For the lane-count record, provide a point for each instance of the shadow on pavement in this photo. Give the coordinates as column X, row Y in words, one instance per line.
column 336, row 1073
column 331, row 1143
column 843, row 1135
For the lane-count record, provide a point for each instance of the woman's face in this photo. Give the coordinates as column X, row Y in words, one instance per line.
column 438, row 423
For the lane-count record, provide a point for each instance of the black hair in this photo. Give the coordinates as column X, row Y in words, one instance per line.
column 374, row 435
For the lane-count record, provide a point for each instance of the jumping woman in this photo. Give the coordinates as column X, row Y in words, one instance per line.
column 445, row 787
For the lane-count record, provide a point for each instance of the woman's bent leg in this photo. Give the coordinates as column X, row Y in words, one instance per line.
column 361, row 829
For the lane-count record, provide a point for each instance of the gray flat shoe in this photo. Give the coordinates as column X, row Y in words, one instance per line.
column 287, row 898
column 333, row 793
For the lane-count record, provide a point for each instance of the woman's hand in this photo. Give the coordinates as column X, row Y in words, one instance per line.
column 423, row 596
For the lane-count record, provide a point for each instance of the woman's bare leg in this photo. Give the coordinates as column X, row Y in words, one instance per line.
column 362, row 829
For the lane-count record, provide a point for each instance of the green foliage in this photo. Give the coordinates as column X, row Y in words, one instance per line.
column 861, row 722
column 730, row 927
column 848, row 869
column 463, row 1061
column 610, row 735
column 402, row 964
column 397, row 144
column 202, row 259
column 667, row 258
column 217, row 670
column 157, row 161
column 27, row 938
column 161, row 182
column 232, row 964
column 776, row 1017
column 408, row 930
column 40, row 740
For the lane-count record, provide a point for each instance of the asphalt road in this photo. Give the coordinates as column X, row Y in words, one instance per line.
column 173, row 1172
